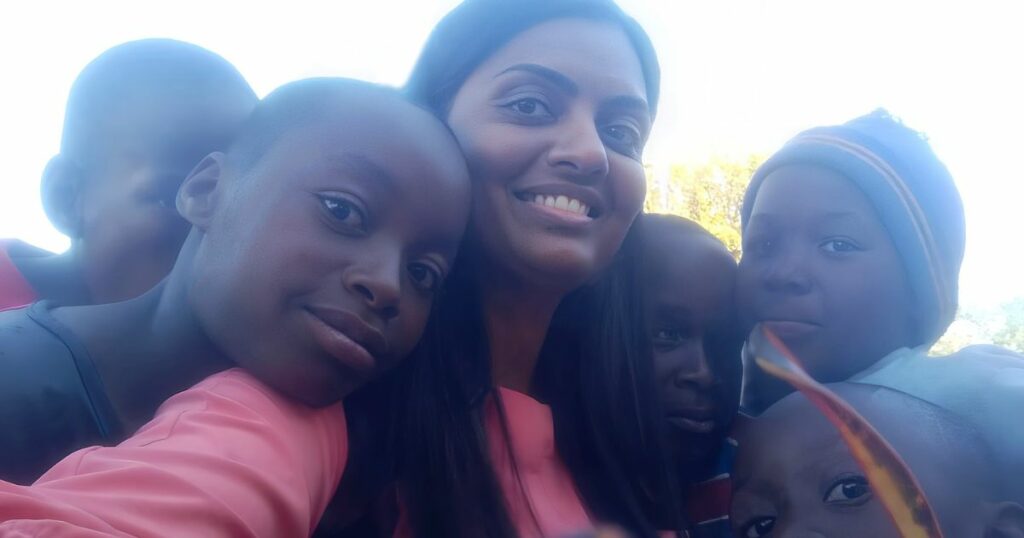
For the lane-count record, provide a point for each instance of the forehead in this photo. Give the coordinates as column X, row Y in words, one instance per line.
column 408, row 145
column 398, row 152
column 596, row 55
column 806, row 191
column 779, row 451
column 690, row 270
column 784, row 436
column 793, row 438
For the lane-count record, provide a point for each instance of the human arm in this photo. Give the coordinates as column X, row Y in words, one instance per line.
column 228, row 457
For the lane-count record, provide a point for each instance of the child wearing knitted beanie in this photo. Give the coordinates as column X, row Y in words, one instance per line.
column 853, row 237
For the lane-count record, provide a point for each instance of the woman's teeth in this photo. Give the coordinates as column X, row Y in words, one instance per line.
column 564, row 203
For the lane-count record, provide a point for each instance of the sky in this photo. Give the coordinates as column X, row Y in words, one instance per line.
column 739, row 76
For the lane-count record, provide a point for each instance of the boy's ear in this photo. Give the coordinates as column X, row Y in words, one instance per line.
column 1006, row 521
column 201, row 191
column 61, row 193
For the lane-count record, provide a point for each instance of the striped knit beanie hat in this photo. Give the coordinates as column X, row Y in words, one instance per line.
column 910, row 188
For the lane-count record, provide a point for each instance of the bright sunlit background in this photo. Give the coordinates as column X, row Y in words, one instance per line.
column 739, row 77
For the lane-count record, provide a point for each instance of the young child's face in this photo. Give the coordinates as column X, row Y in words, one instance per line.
column 319, row 267
column 794, row 475
column 821, row 271
column 128, row 218
column 695, row 337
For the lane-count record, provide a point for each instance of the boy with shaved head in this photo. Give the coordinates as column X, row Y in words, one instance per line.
column 312, row 262
column 794, row 476
column 138, row 118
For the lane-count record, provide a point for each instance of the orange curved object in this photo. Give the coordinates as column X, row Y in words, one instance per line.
column 890, row 478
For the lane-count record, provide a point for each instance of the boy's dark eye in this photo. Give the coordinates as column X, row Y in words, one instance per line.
column 758, row 527
column 344, row 212
column 849, row 490
column 667, row 336
column 839, row 246
column 424, row 276
column 759, row 246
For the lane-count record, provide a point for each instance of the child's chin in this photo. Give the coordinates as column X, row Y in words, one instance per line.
column 693, row 449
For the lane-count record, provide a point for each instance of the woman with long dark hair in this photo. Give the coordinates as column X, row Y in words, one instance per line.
column 552, row 102
column 529, row 408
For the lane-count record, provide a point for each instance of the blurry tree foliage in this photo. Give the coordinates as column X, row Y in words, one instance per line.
column 709, row 192
column 1011, row 334
column 1002, row 325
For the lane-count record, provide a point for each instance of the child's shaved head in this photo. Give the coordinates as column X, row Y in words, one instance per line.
column 304, row 102
column 148, row 73
column 660, row 224
column 138, row 119
column 794, row 473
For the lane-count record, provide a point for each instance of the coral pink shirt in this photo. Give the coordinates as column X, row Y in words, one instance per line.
column 228, row 457
column 542, row 499
column 544, row 489
column 15, row 291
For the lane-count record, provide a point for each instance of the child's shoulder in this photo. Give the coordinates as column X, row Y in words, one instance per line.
column 51, row 397
column 247, row 407
column 237, row 392
column 980, row 382
column 15, row 290
column 982, row 360
column 974, row 373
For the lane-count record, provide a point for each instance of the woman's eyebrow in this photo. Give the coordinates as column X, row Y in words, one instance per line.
column 630, row 102
column 563, row 82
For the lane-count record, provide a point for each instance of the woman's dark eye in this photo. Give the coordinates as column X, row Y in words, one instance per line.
column 625, row 137
column 344, row 212
column 424, row 276
column 530, row 107
column 758, row 527
column 851, row 490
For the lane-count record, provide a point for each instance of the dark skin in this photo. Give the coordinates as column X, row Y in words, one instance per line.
column 116, row 203
column 794, row 475
column 821, row 271
column 314, row 268
column 559, row 112
column 690, row 286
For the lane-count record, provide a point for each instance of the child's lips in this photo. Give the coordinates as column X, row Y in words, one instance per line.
column 692, row 425
column 347, row 337
column 693, row 419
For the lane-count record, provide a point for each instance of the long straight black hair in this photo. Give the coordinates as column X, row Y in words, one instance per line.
column 595, row 368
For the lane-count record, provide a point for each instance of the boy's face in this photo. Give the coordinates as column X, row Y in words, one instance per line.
column 130, row 230
column 318, row 269
column 695, row 336
column 821, row 271
column 794, row 475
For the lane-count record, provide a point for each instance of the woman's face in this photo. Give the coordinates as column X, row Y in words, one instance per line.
column 553, row 126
